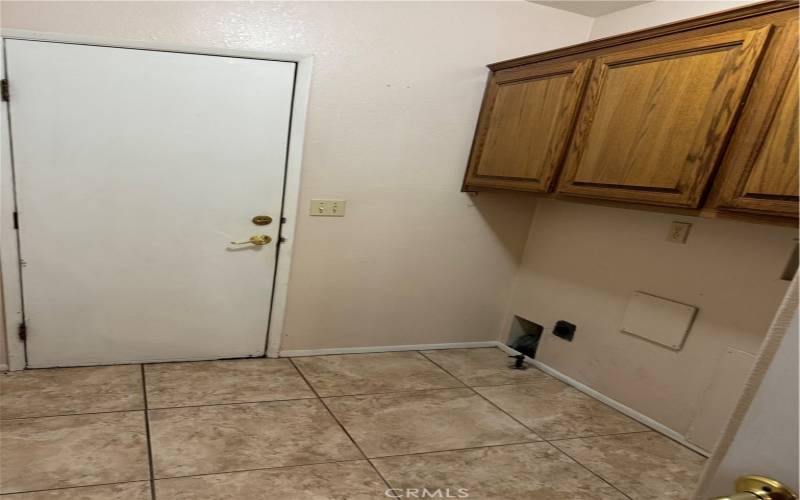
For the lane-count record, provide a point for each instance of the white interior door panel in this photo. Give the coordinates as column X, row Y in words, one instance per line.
column 134, row 170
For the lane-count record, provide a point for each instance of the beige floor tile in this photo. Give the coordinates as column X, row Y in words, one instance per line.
column 63, row 391
column 75, row 450
column 220, row 382
column 350, row 374
column 484, row 366
column 529, row 471
column 124, row 491
column 415, row 422
column 557, row 411
column 227, row 438
column 344, row 480
column 643, row 466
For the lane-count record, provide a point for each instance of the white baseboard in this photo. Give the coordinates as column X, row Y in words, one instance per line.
column 3, row 368
column 386, row 348
column 643, row 419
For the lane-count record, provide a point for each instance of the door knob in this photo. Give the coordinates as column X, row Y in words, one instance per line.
column 760, row 488
column 256, row 239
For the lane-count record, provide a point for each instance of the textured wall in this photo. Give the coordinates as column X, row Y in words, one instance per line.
column 583, row 262
column 394, row 99
column 655, row 13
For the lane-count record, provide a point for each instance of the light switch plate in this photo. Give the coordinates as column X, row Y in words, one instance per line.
column 328, row 208
column 678, row 232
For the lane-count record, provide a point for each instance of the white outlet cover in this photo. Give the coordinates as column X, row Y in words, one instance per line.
column 679, row 232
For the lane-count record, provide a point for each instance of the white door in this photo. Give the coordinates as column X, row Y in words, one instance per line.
column 766, row 441
column 134, row 170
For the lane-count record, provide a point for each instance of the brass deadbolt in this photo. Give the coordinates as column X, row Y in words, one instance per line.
column 262, row 220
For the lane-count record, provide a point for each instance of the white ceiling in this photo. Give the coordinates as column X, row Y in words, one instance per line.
column 592, row 8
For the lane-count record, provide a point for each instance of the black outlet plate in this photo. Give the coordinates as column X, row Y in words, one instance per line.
column 564, row 330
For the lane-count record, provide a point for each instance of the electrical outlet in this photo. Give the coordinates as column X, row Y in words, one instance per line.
column 565, row 330
column 328, row 208
column 678, row 232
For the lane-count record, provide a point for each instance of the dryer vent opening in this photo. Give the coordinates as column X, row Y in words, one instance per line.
column 524, row 336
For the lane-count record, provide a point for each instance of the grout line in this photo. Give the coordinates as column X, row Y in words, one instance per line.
column 404, row 391
column 590, row 470
column 491, row 403
column 147, row 432
column 590, row 436
column 71, row 415
column 35, row 369
column 258, row 469
column 232, row 403
column 399, row 393
column 71, row 487
column 534, row 432
column 336, row 419
column 449, row 450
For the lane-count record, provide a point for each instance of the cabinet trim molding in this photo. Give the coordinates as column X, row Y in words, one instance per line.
column 725, row 16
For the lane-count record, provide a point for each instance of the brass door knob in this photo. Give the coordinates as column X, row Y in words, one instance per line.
column 760, row 488
column 256, row 239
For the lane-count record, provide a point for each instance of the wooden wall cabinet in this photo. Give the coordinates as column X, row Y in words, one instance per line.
column 699, row 115
column 760, row 171
column 656, row 118
column 528, row 116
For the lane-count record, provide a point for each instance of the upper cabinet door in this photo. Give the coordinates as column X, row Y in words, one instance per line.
column 656, row 118
column 525, row 125
column 760, row 171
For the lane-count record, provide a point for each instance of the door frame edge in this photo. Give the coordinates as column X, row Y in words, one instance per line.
column 291, row 204
column 9, row 252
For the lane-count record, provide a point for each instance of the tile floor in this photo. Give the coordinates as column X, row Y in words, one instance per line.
column 345, row 427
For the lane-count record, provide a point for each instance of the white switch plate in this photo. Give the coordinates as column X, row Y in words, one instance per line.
column 678, row 232
column 328, row 208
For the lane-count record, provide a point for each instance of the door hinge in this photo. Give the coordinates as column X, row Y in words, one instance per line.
column 4, row 89
column 22, row 331
column 16, row 220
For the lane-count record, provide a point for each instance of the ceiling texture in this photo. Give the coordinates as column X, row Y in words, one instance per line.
column 591, row 8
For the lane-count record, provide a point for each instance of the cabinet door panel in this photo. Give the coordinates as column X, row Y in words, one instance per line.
column 656, row 118
column 526, row 124
column 760, row 171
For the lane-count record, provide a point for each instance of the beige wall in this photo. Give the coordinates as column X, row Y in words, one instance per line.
column 655, row 13
column 394, row 98
column 582, row 263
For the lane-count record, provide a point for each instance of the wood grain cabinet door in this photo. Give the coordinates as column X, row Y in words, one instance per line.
column 656, row 118
column 526, row 121
column 760, row 171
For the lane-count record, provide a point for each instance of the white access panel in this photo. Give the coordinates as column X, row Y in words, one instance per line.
column 658, row 320
column 135, row 169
